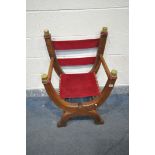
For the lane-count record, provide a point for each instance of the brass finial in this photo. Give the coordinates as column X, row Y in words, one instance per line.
column 114, row 72
column 46, row 32
column 44, row 77
column 95, row 105
column 104, row 29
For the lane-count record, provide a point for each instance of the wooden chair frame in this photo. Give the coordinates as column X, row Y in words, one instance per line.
column 78, row 109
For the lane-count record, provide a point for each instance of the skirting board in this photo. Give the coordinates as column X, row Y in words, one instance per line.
column 42, row 92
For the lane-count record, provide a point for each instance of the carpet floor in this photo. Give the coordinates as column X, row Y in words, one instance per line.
column 81, row 136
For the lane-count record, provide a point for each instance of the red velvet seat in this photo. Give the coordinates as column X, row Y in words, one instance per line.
column 78, row 85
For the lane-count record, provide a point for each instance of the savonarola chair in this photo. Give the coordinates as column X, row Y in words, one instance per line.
column 78, row 85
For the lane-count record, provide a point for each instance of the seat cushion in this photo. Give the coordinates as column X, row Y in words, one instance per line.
column 78, row 85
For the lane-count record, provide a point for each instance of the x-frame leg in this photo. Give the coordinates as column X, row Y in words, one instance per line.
column 66, row 116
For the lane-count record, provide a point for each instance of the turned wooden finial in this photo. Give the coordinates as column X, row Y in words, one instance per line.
column 104, row 29
column 46, row 32
column 44, row 77
column 114, row 72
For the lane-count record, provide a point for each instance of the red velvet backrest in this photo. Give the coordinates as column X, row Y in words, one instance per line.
column 76, row 44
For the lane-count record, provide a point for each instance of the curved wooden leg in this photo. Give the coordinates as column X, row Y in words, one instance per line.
column 99, row 121
column 64, row 118
column 68, row 115
column 97, row 118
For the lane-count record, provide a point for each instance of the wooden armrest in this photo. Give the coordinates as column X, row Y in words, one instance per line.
column 113, row 73
column 47, row 77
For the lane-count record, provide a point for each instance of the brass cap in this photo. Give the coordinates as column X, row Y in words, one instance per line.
column 104, row 29
column 114, row 72
column 44, row 77
column 46, row 32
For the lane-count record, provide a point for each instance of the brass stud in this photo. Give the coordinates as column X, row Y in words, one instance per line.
column 104, row 29
column 111, row 85
column 46, row 32
column 114, row 72
column 44, row 78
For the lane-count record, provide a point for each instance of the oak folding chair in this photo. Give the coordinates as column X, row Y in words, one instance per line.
column 80, row 85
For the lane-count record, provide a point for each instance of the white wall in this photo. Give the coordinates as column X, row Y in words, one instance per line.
column 74, row 20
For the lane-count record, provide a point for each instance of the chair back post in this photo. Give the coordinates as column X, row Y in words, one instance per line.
column 103, row 38
column 100, row 51
column 47, row 37
column 51, row 52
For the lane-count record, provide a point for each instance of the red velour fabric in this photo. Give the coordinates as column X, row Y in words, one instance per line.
column 78, row 85
column 76, row 61
column 75, row 44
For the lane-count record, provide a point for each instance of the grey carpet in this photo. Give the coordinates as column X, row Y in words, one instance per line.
column 81, row 136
